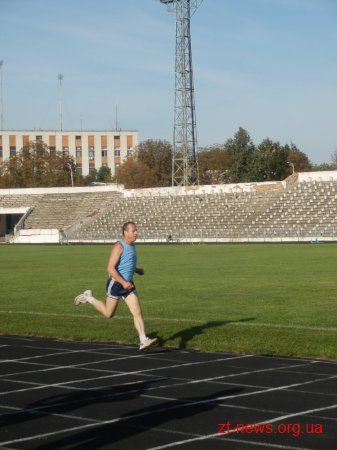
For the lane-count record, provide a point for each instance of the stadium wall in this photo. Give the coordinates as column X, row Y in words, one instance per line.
column 179, row 190
column 329, row 175
column 38, row 236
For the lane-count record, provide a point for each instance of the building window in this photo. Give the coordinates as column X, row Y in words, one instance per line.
column 52, row 151
column 78, row 152
column 130, row 151
column 12, row 150
column 117, row 152
column 0, row 152
column 79, row 168
column 104, row 152
column 78, row 138
column 91, row 154
column 65, row 150
column 117, row 166
column 39, row 138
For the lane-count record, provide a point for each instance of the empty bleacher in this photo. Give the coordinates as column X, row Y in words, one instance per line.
column 54, row 210
column 292, row 211
column 63, row 210
column 301, row 211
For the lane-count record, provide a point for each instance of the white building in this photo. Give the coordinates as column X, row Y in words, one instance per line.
column 90, row 149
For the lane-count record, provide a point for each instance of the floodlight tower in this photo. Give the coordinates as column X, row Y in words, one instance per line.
column 184, row 161
column 1, row 104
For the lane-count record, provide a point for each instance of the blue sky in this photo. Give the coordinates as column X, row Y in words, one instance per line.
column 269, row 66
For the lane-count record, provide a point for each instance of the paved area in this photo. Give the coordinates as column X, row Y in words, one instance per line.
column 66, row 395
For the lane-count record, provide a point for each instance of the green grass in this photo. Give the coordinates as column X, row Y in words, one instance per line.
column 262, row 299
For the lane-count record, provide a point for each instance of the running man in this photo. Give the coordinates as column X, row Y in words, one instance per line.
column 121, row 267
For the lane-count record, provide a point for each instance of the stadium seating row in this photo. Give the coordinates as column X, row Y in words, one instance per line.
column 302, row 210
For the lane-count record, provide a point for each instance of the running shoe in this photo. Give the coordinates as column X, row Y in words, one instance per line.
column 148, row 343
column 83, row 298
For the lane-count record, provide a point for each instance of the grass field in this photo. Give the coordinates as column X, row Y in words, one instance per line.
column 262, row 299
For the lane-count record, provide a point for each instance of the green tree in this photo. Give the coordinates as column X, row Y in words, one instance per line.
column 104, row 174
column 34, row 166
column 157, row 156
column 322, row 167
column 241, row 149
column 269, row 162
column 91, row 177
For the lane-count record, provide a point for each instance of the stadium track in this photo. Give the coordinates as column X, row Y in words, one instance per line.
column 84, row 395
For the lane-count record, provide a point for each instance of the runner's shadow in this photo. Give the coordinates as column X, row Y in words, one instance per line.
column 132, row 423
column 186, row 335
column 64, row 403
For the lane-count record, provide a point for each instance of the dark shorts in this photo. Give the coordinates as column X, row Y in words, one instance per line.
column 115, row 290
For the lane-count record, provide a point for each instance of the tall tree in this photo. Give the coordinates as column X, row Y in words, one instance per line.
column 157, row 156
column 135, row 174
column 299, row 159
column 214, row 165
column 242, row 150
column 270, row 162
column 151, row 166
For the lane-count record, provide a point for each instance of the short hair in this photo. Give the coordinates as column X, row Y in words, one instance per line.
column 126, row 226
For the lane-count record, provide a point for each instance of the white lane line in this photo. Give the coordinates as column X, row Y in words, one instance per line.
column 261, row 391
column 41, row 411
column 248, row 443
column 116, row 374
column 46, row 355
column 269, row 421
column 139, row 355
column 161, row 410
column 53, row 367
column 246, row 394
column 45, row 409
column 65, row 384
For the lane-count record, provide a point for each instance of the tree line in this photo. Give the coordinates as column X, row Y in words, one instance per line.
column 36, row 166
column 237, row 160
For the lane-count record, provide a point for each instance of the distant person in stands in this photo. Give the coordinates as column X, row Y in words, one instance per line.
column 122, row 266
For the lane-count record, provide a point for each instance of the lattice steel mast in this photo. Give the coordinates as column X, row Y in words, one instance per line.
column 184, row 161
column 1, row 104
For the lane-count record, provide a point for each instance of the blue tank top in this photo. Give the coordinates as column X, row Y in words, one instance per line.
column 127, row 262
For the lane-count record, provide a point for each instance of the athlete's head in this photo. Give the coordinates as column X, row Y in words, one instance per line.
column 129, row 231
